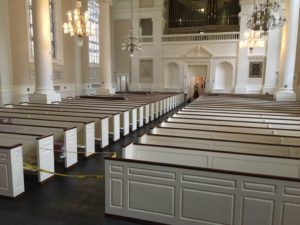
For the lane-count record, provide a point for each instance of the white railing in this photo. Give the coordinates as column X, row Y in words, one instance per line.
column 228, row 36
column 146, row 39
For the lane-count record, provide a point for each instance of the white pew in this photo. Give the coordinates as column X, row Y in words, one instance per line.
column 242, row 119
column 236, row 114
column 229, row 136
column 143, row 109
column 11, row 169
column 66, row 136
column 222, row 145
column 37, row 150
column 239, row 162
column 124, row 114
column 85, row 127
column 235, row 123
column 181, row 194
column 100, row 124
column 234, row 129
column 104, row 107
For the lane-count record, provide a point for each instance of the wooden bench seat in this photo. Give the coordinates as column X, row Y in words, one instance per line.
column 85, row 127
column 100, row 124
column 222, row 145
column 236, row 123
column 124, row 114
column 36, row 149
column 230, row 161
column 231, row 128
column 234, row 136
column 236, row 118
column 66, row 137
column 143, row 108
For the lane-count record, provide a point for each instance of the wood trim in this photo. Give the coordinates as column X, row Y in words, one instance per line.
column 10, row 147
column 231, row 132
column 221, row 140
column 203, row 169
column 228, row 125
column 232, row 121
column 218, row 151
column 68, row 121
column 186, row 114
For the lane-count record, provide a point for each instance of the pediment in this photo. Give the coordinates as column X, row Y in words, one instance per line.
column 198, row 52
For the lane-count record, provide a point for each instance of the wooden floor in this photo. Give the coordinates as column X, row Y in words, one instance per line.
column 66, row 201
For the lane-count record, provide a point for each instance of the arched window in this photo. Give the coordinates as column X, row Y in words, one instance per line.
column 94, row 42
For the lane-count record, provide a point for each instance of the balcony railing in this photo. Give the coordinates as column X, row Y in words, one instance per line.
column 228, row 36
column 146, row 39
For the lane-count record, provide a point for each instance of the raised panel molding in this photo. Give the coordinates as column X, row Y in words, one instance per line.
column 202, row 206
column 290, row 214
column 116, row 197
column 257, row 211
column 160, row 198
column 4, row 183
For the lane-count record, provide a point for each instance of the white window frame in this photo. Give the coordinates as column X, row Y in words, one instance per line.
column 94, row 24
column 59, row 59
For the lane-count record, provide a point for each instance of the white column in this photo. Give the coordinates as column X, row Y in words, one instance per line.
column 272, row 60
column 243, row 59
column 6, row 72
column 44, row 90
column 135, row 84
column 158, row 22
column 105, row 48
column 285, row 89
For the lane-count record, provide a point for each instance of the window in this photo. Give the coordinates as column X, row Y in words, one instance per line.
column 94, row 43
column 56, row 34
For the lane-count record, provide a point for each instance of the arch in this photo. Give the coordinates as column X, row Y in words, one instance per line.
column 224, row 77
column 172, row 78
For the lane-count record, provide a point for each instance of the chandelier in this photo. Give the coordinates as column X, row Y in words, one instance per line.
column 131, row 43
column 78, row 24
column 265, row 16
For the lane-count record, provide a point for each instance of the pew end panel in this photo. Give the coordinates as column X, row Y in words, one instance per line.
column 104, row 132
column 142, row 139
column 89, row 139
column 116, row 127
column 70, row 147
column 45, row 156
column 141, row 116
column 133, row 119
column 11, row 171
column 172, row 194
column 125, row 123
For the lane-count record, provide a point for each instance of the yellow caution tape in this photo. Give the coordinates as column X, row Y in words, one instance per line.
column 33, row 168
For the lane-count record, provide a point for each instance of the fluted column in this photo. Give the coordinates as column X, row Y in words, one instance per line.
column 105, row 48
column 44, row 90
column 285, row 89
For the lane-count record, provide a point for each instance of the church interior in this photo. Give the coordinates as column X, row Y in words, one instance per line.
column 126, row 112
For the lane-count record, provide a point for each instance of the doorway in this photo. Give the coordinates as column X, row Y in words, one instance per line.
column 197, row 79
column 122, row 82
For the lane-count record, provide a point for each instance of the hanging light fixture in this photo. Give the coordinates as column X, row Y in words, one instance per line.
column 78, row 24
column 131, row 43
column 254, row 39
column 265, row 16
